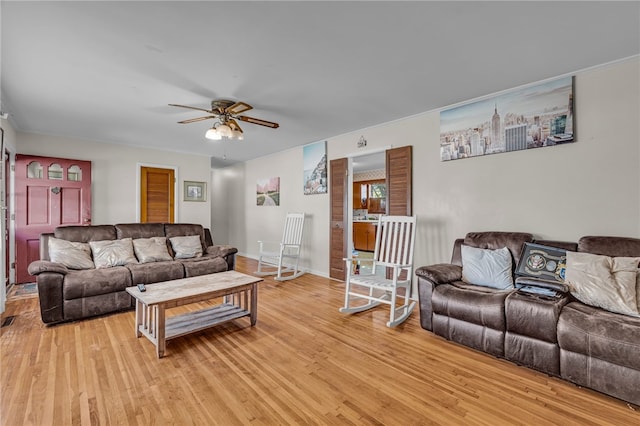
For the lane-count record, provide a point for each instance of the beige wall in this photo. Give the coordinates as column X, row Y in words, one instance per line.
column 591, row 186
column 115, row 175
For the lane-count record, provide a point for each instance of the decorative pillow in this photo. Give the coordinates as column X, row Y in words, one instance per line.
column 487, row 268
column 110, row 253
column 186, row 247
column 152, row 249
column 70, row 254
column 604, row 282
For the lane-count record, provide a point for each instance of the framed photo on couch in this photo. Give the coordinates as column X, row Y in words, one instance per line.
column 539, row 261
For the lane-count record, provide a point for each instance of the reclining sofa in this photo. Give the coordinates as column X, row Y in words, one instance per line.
column 72, row 289
column 560, row 336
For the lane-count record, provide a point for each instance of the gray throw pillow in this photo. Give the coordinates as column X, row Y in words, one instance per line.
column 71, row 254
column 152, row 249
column 186, row 247
column 486, row 267
column 110, row 253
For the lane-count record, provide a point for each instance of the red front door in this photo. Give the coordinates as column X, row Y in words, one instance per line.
column 50, row 192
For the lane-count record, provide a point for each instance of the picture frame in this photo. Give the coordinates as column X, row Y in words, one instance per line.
column 535, row 116
column 314, row 157
column 540, row 261
column 194, row 191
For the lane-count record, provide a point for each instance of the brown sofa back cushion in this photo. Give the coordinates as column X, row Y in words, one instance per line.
column 610, row 246
column 139, row 230
column 84, row 234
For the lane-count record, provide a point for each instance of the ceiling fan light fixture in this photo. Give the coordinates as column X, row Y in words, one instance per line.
column 224, row 131
column 236, row 134
column 213, row 134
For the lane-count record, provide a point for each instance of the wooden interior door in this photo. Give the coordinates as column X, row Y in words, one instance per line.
column 399, row 181
column 338, row 199
column 157, row 195
column 49, row 192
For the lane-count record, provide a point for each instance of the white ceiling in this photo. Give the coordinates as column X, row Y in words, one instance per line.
column 105, row 71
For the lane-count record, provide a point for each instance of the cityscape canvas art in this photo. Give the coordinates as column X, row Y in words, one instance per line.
column 268, row 192
column 532, row 117
column 315, row 168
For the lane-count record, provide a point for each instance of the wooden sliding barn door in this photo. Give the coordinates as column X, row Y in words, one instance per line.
column 399, row 181
column 338, row 217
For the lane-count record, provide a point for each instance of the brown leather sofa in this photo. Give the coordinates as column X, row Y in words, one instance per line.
column 69, row 294
column 558, row 336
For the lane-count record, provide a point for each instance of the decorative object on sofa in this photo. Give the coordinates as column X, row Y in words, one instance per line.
column 486, row 267
column 268, row 192
column 66, row 294
column 604, row 282
column 152, row 249
column 110, row 253
column 195, row 191
column 280, row 261
column 71, row 254
column 542, row 261
column 226, row 112
column 530, row 117
column 395, row 238
column 186, row 247
column 314, row 159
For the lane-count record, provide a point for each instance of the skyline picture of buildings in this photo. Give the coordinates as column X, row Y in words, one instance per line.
column 531, row 117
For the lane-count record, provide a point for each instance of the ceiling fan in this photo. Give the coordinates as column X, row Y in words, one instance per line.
column 226, row 112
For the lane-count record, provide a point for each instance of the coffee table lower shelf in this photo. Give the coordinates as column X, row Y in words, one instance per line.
column 191, row 322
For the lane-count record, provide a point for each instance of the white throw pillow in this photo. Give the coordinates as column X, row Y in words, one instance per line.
column 71, row 254
column 487, row 268
column 110, row 253
column 186, row 247
column 604, row 282
column 152, row 249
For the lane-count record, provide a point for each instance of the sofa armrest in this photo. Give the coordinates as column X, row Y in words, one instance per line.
column 222, row 251
column 441, row 273
column 50, row 286
column 539, row 282
column 40, row 266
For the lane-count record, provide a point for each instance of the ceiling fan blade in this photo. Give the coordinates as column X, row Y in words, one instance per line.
column 238, row 107
column 194, row 120
column 234, row 125
column 258, row 121
column 196, row 108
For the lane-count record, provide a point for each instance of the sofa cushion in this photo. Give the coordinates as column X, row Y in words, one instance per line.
column 471, row 303
column 183, row 230
column 186, row 247
column 71, row 254
column 147, row 273
column 109, row 253
column 610, row 246
column 92, row 282
column 486, row 267
column 603, row 281
column 152, row 249
column 600, row 334
column 84, row 234
column 139, row 230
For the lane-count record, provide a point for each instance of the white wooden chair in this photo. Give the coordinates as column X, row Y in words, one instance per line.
column 280, row 261
column 392, row 270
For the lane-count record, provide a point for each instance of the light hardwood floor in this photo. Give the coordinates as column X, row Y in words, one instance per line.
column 303, row 363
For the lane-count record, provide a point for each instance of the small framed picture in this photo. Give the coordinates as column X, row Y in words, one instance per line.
column 195, row 191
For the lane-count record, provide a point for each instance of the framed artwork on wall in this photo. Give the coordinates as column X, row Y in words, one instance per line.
column 532, row 117
column 315, row 168
column 268, row 192
column 195, row 191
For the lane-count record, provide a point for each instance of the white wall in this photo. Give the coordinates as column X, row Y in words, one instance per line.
column 10, row 145
column 588, row 187
column 115, row 185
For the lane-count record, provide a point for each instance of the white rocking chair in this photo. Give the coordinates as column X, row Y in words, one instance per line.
column 276, row 261
column 392, row 270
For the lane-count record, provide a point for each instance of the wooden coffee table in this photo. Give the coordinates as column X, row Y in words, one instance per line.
column 240, row 292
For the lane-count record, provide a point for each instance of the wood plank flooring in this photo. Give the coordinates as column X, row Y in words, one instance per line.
column 303, row 363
